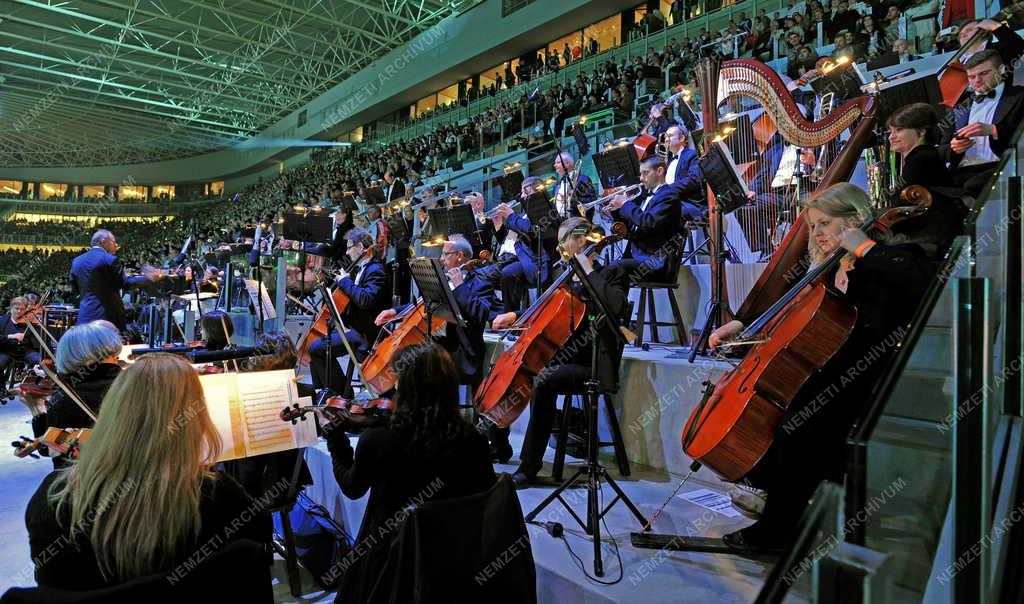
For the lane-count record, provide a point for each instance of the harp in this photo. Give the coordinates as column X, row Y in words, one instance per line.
column 751, row 87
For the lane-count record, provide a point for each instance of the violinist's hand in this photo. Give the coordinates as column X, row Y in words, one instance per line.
column 724, row 333
column 851, row 238
column 36, row 404
column 455, row 276
column 385, row 317
column 17, row 336
column 503, row 320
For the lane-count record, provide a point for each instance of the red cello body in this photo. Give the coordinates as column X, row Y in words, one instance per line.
column 731, row 430
column 376, row 368
column 319, row 327
column 506, row 392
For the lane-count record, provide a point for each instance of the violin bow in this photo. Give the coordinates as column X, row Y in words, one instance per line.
column 227, row 336
column 68, row 390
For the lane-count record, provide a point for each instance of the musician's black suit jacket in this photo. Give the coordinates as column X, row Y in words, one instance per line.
column 689, row 183
column 395, row 190
column 97, row 278
column 478, row 305
column 652, row 230
column 368, row 296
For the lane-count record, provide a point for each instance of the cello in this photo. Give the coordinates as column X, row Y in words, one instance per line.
column 733, row 425
column 376, row 368
column 319, row 327
column 546, row 326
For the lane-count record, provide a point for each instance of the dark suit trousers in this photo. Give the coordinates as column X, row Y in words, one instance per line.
column 972, row 179
column 514, row 281
column 547, row 385
column 29, row 357
column 327, row 372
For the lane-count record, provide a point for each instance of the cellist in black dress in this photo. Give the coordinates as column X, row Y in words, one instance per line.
column 885, row 283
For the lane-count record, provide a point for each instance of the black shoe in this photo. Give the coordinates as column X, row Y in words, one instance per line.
column 523, row 481
column 752, row 540
column 501, row 452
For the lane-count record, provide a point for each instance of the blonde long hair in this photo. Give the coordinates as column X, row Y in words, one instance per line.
column 134, row 491
column 845, row 202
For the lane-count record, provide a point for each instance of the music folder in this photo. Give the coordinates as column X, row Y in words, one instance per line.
column 246, row 407
column 724, row 178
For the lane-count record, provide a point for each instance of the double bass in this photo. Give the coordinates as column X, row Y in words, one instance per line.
column 546, row 327
column 733, row 425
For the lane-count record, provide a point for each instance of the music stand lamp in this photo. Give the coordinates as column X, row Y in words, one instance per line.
column 592, row 469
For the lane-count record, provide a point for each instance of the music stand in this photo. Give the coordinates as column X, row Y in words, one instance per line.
column 618, row 166
column 438, row 299
column 309, row 227
column 374, row 196
column 542, row 215
column 904, row 90
column 461, row 221
column 592, row 470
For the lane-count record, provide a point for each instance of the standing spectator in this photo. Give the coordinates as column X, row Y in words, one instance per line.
column 923, row 17
column 567, row 54
column 676, row 12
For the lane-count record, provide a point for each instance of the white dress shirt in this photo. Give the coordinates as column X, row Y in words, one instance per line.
column 982, row 111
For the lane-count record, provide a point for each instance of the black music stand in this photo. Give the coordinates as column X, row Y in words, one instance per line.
column 618, row 166
column 438, row 299
column 462, row 221
column 544, row 221
column 723, row 179
column 512, row 184
column 374, row 196
column 592, row 470
column 309, row 227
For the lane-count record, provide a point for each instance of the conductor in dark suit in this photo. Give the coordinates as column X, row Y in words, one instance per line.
column 365, row 284
column 97, row 278
column 393, row 187
column 984, row 122
column 653, row 221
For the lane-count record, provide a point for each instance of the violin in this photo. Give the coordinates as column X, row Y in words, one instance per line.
column 350, row 415
column 65, row 441
column 35, row 383
column 733, row 425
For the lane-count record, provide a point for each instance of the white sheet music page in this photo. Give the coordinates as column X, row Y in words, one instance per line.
column 263, row 395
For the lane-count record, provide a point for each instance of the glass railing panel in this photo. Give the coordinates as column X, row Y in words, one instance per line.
column 908, row 452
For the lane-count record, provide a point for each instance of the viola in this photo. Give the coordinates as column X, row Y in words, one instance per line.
column 546, row 327
column 350, row 415
column 65, row 441
column 732, row 427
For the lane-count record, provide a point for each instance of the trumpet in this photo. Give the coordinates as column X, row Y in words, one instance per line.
column 631, row 192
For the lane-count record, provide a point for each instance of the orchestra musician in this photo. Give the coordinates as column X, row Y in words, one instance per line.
column 97, row 278
column 1001, row 38
column 365, row 284
column 377, row 227
column 532, row 267
column 984, row 122
column 142, row 496
column 886, row 284
column 14, row 345
column 479, row 305
column 394, row 187
column 568, row 372
column 653, row 221
column 913, row 132
column 335, row 250
column 426, row 445
column 568, row 200
column 684, row 174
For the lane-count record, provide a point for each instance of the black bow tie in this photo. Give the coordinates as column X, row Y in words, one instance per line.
column 981, row 97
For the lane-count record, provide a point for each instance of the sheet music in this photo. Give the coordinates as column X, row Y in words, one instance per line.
column 245, row 407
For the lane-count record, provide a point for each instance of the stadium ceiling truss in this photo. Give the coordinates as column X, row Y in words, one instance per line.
column 109, row 82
